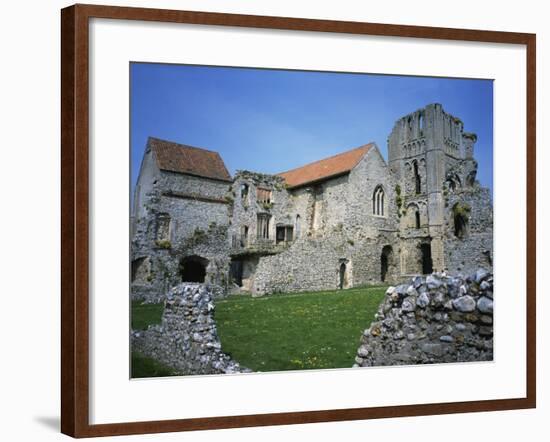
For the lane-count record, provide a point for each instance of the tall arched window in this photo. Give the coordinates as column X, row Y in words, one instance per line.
column 298, row 226
column 416, row 178
column 378, row 201
column 413, row 220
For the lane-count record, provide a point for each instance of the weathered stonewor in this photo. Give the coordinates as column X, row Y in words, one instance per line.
column 432, row 320
column 349, row 220
column 187, row 339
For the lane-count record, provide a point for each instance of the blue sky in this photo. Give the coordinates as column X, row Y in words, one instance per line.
column 273, row 120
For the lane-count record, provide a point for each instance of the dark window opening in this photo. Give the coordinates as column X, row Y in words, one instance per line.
column 427, row 265
column 298, row 226
column 417, row 182
column 461, row 224
column 193, row 269
column 284, row 234
column 417, row 219
column 280, row 234
column 451, row 185
column 244, row 191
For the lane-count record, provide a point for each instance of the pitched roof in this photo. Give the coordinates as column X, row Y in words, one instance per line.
column 190, row 160
column 326, row 168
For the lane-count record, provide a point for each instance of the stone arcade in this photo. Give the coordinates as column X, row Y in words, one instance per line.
column 344, row 221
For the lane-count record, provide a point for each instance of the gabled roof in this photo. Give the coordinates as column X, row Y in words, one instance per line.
column 190, row 160
column 326, row 168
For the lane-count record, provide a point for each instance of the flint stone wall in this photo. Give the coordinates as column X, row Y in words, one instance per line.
column 432, row 320
column 475, row 250
column 187, row 339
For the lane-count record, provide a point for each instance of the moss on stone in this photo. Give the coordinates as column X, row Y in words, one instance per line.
column 164, row 244
column 462, row 209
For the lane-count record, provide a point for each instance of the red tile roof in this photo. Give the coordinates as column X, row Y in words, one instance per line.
column 326, row 168
column 190, row 160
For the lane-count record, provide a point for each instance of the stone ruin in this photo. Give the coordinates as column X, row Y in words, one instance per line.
column 349, row 220
column 187, row 339
column 435, row 319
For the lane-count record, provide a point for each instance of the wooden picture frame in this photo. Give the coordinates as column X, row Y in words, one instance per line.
column 75, row 219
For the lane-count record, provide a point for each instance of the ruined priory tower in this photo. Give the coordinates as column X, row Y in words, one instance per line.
column 430, row 155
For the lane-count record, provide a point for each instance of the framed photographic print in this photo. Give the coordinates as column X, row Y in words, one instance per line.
column 273, row 220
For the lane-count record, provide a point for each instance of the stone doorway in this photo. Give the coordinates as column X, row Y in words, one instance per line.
column 236, row 272
column 342, row 275
column 386, row 259
column 193, row 269
column 426, row 254
column 242, row 272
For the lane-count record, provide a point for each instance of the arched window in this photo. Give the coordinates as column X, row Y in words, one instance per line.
column 416, row 178
column 298, row 226
column 244, row 191
column 413, row 220
column 378, row 201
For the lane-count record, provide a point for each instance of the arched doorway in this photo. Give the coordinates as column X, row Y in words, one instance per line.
column 193, row 269
column 385, row 261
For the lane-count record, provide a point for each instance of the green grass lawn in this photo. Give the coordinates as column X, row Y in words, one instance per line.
column 296, row 331
column 280, row 332
column 144, row 367
column 144, row 315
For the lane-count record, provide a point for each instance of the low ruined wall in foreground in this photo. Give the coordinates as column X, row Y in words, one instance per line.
column 187, row 339
column 432, row 320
